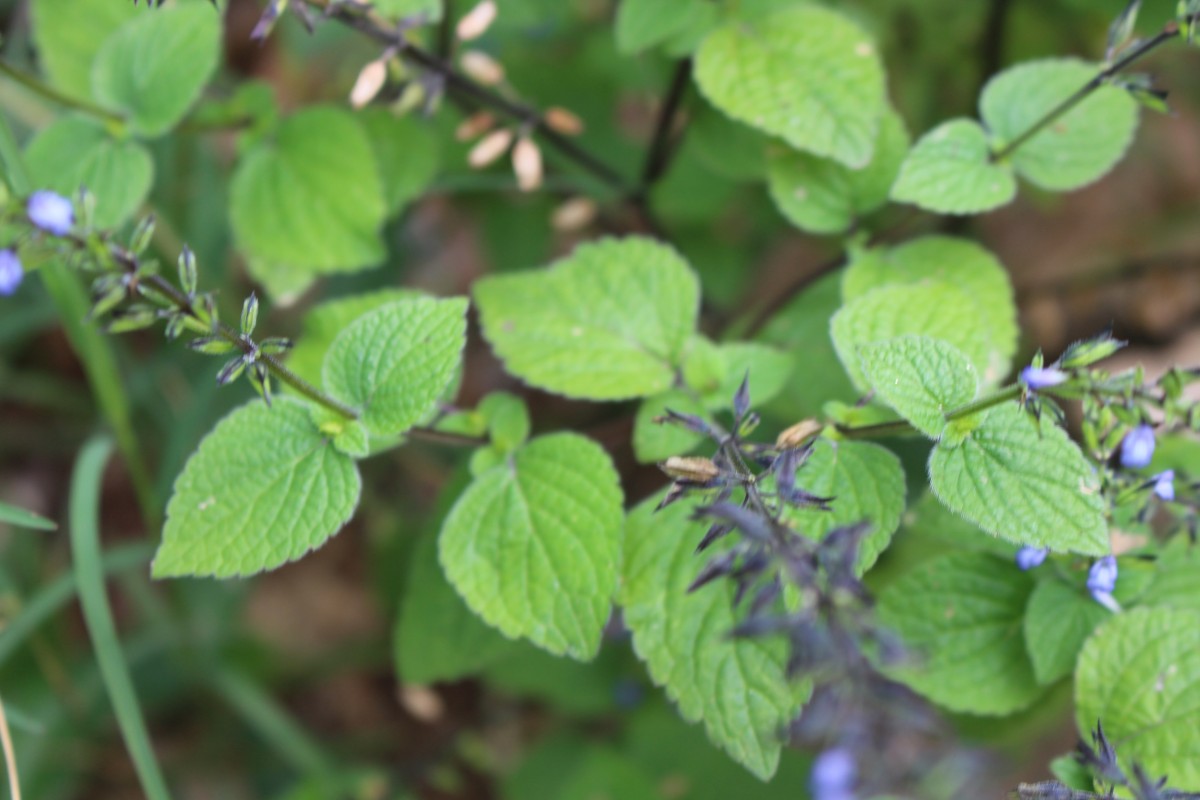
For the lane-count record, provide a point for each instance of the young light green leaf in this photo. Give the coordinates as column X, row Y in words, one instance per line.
column 823, row 196
column 67, row 35
column 642, row 24
column 949, row 171
column 1077, row 148
column 1140, row 675
column 932, row 309
column 76, row 151
column 865, row 481
column 507, row 419
column 1058, row 619
column 301, row 207
column 768, row 367
column 437, row 638
column 958, row 262
column 394, row 363
column 919, row 377
column 407, row 152
column 533, row 544
column 263, row 489
column 155, row 66
column 608, row 322
column 806, row 74
column 654, row 441
column 735, row 686
column 1028, row 486
column 20, row 518
column 962, row 616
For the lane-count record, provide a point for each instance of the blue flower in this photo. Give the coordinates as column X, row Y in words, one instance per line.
column 51, row 212
column 833, row 774
column 1030, row 557
column 11, row 272
column 1102, row 580
column 1164, row 485
column 1042, row 377
column 1137, row 448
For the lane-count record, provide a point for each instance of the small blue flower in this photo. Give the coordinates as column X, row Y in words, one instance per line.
column 11, row 272
column 1102, row 580
column 1042, row 377
column 1164, row 485
column 1137, row 448
column 1030, row 557
column 833, row 774
column 51, row 212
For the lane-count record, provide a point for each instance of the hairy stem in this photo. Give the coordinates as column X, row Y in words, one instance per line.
column 902, row 427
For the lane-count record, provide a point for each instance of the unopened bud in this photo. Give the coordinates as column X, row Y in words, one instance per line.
column 481, row 67
column 369, row 82
column 798, row 434
column 474, row 126
column 691, row 468
column 565, row 122
column 527, row 164
column 249, row 314
column 573, row 215
column 142, row 235
column 490, row 148
column 476, row 21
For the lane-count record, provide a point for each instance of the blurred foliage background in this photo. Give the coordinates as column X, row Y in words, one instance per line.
column 293, row 684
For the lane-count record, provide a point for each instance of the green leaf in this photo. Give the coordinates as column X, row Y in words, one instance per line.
column 429, row 11
column 736, row 687
column 823, row 196
column 1058, row 619
column 154, row 68
column 921, row 378
column 20, row 518
column 67, row 34
column 1174, row 582
column 437, row 637
column 394, row 364
column 807, row 75
column 769, row 370
column 507, row 420
column 1030, row 487
column 1140, row 676
column 962, row 614
column 406, row 151
column 949, row 171
column 324, row 322
column 301, row 207
column 76, row 151
column 958, row 262
column 1077, row 148
column 608, row 322
column 866, row 482
column 532, row 545
column 933, row 309
column 263, row 489
column 642, row 24
column 727, row 148
column 653, row 441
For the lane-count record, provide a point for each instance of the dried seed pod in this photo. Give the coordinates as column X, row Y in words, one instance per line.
column 573, row 215
column 691, row 468
column 490, row 148
column 798, row 434
column 481, row 67
column 527, row 164
column 476, row 21
column 565, row 122
column 475, row 125
column 369, row 82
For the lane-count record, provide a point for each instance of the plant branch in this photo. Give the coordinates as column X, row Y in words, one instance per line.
column 901, row 427
column 53, row 95
column 663, row 145
column 1169, row 32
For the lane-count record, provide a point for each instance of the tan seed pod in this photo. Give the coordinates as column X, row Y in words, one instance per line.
column 475, row 125
column 565, row 122
column 527, row 164
column 476, row 21
column 370, row 81
column 490, row 148
column 691, row 468
column 573, row 215
column 481, row 67
column 798, row 434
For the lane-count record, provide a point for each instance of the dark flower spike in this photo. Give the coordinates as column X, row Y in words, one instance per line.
column 716, row 567
column 692, row 423
column 741, row 399
column 715, row 532
column 750, row 524
column 677, row 491
column 755, row 627
column 765, row 597
column 1050, row 790
column 1100, row 758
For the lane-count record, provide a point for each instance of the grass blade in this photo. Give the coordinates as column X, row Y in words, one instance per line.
column 25, row 519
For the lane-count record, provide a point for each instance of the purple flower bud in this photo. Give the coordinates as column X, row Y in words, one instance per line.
column 1042, row 377
column 1102, row 580
column 1030, row 557
column 1164, row 485
column 11, row 272
column 1137, row 448
column 833, row 774
column 51, row 212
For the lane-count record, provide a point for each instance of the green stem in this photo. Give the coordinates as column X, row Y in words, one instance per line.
column 878, row 430
column 53, row 95
column 1011, row 392
column 1169, row 31
column 900, row 427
